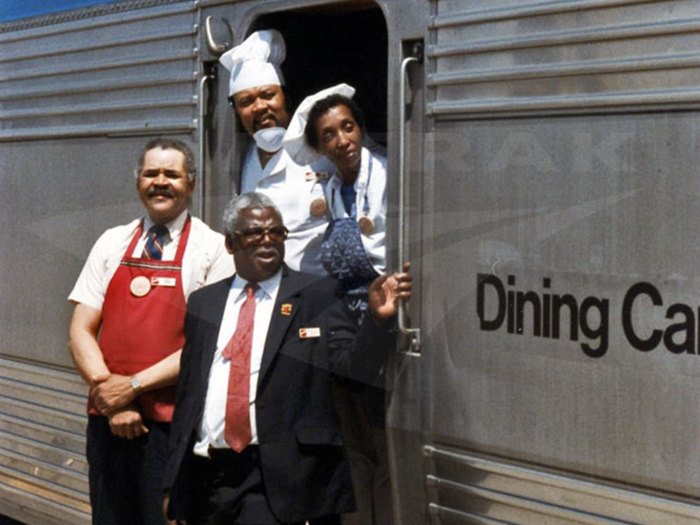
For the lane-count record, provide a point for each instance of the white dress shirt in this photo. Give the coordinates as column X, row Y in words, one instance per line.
column 205, row 260
column 211, row 427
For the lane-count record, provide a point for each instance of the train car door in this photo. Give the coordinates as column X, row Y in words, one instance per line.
column 323, row 49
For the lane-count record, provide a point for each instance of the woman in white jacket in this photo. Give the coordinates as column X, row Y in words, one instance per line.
column 354, row 247
column 353, row 251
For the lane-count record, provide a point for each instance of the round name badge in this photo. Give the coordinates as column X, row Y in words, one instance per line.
column 318, row 208
column 140, row 286
column 366, row 225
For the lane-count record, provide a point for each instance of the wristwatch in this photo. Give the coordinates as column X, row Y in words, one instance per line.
column 136, row 385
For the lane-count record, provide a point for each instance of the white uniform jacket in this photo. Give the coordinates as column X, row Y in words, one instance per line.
column 375, row 207
column 292, row 188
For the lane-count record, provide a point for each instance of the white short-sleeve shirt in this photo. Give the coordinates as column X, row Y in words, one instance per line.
column 205, row 260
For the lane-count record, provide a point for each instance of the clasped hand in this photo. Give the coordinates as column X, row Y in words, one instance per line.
column 127, row 423
column 113, row 396
column 111, row 392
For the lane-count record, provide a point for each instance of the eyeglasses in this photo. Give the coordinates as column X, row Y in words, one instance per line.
column 256, row 235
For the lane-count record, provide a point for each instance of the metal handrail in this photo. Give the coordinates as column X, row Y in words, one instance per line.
column 200, row 146
column 214, row 48
column 413, row 333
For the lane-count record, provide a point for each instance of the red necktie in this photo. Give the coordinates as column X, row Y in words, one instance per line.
column 237, row 431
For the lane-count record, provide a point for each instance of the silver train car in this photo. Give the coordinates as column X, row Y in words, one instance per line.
column 543, row 161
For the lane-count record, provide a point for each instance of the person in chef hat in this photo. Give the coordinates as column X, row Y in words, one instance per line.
column 330, row 124
column 257, row 95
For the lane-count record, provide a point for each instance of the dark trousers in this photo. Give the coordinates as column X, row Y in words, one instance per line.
column 232, row 492
column 126, row 475
column 365, row 440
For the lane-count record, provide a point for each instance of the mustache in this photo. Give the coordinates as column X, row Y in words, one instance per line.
column 269, row 115
column 265, row 248
column 164, row 192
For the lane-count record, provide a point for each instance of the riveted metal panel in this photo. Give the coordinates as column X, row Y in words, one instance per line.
column 600, row 210
column 563, row 171
column 80, row 94
column 525, row 57
column 121, row 72
column 471, row 489
column 43, row 471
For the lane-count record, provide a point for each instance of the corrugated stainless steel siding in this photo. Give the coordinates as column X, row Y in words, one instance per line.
column 119, row 69
column 43, row 471
column 125, row 72
column 467, row 489
column 564, row 56
column 519, row 398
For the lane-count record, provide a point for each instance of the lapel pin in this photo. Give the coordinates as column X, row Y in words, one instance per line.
column 286, row 309
column 366, row 225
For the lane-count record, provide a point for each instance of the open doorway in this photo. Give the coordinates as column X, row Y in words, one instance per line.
column 327, row 45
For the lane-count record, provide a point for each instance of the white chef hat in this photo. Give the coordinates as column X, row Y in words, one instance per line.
column 294, row 140
column 256, row 62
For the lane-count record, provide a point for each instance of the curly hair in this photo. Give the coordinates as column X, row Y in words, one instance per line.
column 242, row 202
column 324, row 105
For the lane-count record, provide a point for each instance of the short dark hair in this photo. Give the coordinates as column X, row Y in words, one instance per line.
column 321, row 107
column 246, row 201
column 164, row 143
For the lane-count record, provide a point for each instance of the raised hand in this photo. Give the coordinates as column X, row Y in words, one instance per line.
column 385, row 292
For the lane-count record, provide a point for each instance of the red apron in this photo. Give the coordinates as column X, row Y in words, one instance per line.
column 142, row 324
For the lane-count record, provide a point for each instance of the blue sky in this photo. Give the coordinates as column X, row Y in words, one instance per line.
column 16, row 9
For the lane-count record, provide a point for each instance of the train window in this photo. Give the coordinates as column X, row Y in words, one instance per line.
column 327, row 45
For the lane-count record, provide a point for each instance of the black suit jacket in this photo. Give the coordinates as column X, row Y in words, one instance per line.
column 302, row 458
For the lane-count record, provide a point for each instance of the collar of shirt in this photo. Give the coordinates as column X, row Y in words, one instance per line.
column 269, row 286
column 174, row 227
column 363, row 175
column 362, row 179
column 275, row 164
column 254, row 172
column 361, row 183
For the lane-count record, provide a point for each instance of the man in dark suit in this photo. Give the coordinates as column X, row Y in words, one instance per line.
column 255, row 437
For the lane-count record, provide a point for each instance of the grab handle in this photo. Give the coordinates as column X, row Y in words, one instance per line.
column 413, row 333
column 214, row 48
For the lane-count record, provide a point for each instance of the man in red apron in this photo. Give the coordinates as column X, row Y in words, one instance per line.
column 127, row 333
